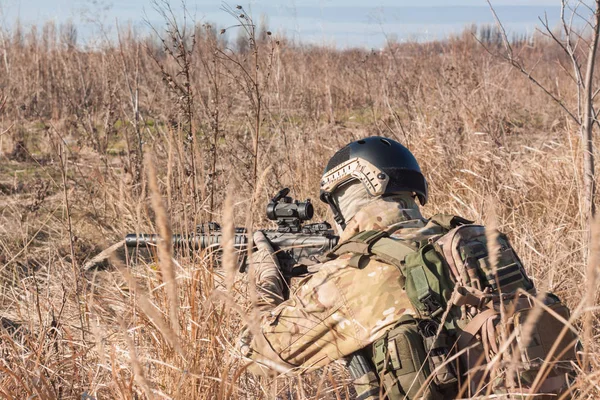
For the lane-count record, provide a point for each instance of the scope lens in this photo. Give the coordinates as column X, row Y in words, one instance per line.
column 271, row 211
column 305, row 211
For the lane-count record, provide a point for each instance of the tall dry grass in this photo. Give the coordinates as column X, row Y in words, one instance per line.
column 77, row 124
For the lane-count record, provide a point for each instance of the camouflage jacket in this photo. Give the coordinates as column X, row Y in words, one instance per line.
column 339, row 309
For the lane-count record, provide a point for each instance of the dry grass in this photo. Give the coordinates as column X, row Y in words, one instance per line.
column 73, row 182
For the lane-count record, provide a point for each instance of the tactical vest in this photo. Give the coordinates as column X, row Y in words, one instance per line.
column 479, row 327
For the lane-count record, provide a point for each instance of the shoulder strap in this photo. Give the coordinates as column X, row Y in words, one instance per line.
column 448, row 221
column 377, row 243
column 392, row 251
column 358, row 244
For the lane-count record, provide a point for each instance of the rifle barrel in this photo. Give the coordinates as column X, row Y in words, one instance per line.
column 194, row 241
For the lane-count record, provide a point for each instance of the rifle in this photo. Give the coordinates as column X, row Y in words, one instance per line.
column 297, row 246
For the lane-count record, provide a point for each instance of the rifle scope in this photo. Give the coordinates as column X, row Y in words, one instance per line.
column 282, row 207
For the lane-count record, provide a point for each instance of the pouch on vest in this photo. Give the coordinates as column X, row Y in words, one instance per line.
column 428, row 283
column 401, row 361
column 541, row 345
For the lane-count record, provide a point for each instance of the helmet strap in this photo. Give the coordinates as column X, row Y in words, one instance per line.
column 337, row 214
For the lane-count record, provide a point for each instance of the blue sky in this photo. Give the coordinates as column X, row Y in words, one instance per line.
column 340, row 22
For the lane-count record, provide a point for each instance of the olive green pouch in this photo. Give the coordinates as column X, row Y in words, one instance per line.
column 401, row 360
column 437, row 346
column 428, row 283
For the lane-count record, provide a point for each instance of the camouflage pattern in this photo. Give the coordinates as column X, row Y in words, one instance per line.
column 401, row 210
column 267, row 275
column 351, row 198
column 337, row 310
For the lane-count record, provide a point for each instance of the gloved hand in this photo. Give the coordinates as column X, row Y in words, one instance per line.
column 263, row 267
column 267, row 274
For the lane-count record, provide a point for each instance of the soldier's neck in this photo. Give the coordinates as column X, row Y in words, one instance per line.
column 382, row 213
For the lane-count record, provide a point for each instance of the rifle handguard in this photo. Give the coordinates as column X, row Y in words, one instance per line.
column 194, row 241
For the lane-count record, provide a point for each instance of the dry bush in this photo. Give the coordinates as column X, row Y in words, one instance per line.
column 86, row 116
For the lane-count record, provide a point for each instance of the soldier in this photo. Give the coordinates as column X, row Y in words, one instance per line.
column 410, row 294
column 373, row 183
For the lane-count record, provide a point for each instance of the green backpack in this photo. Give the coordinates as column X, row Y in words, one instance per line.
column 470, row 314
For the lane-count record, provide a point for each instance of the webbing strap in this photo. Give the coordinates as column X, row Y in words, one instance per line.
column 380, row 356
column 465, row 295
column 368, row 236
column 359, row 243
column 420, row 281
column 371, row 394
column 350, row 247
column 464, row 340
column 448, row 221
column 391, row 251
column 491, row 334
column 375, row 243
column 474, row 356
column 359, row 261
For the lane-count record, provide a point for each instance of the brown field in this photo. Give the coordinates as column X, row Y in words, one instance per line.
column 81, row 129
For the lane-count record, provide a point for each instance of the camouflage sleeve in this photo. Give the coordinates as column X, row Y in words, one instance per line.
column 267, row 275
column 333, row 313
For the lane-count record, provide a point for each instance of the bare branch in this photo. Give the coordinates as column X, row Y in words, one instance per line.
column 552, row 36
column 517, row 65
column 568, row 30
column 587, row 126
column 566, row 71
column 505, row 40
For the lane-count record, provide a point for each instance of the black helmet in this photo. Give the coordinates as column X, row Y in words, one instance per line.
column 383, row 166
